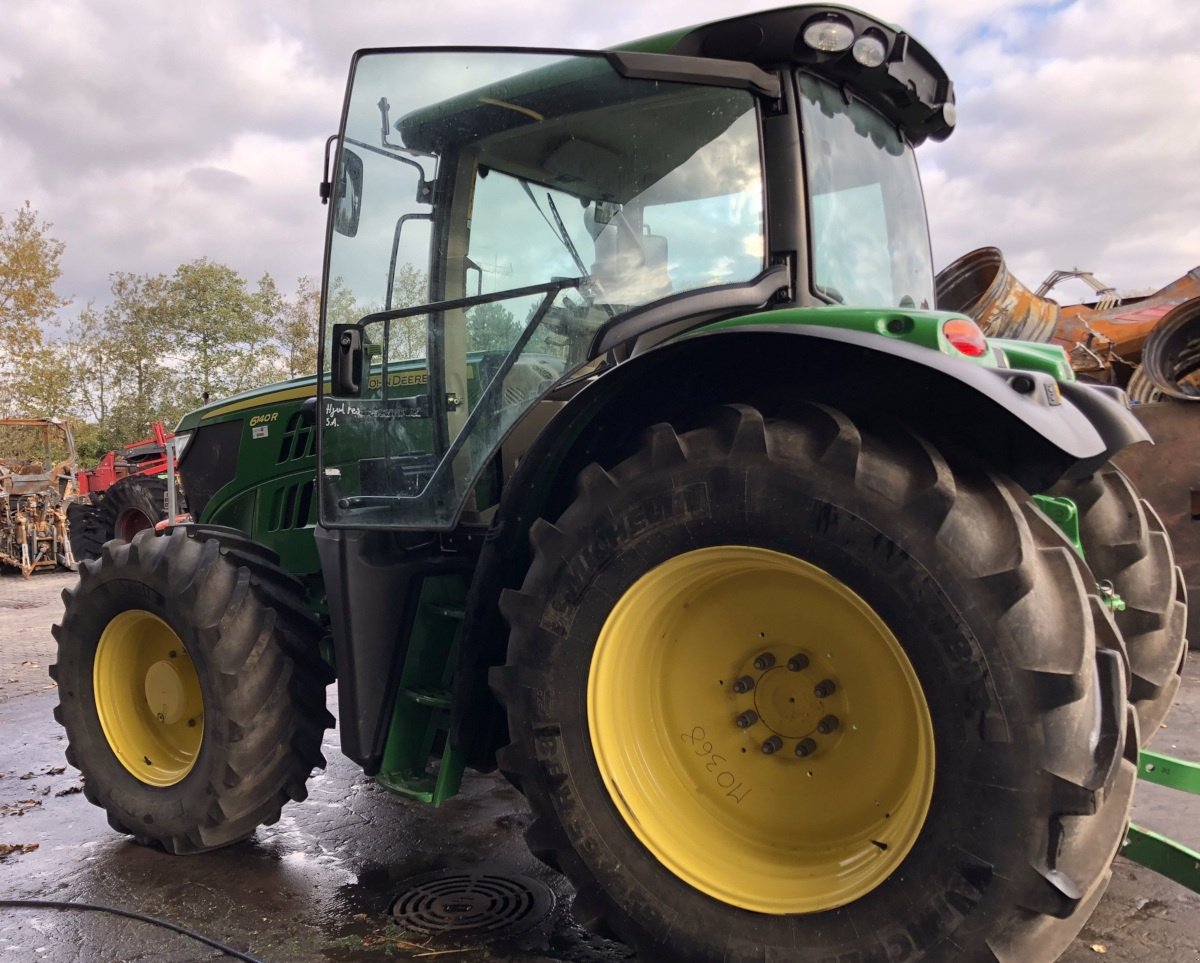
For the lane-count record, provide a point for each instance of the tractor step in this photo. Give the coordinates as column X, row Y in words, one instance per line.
column 418, row 760
column 436, row 697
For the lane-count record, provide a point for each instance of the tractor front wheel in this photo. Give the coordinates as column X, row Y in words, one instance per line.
column 793, row 689
column 191, row 687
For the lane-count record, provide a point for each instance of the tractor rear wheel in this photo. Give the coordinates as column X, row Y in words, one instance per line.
column 132, row 505
column 797, row 689
column 190, row 687
column 1126, row 544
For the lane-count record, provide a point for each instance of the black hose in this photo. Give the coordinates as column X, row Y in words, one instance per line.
column 141, row 917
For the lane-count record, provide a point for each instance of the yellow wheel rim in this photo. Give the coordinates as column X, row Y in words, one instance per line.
column 761, row 730
column 148, row 698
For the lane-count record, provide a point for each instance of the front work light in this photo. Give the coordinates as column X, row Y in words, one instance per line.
column 828, row 35
column 869, row 50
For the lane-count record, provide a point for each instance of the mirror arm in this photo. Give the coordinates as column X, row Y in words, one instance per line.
column 424, row 188
column 325, row 188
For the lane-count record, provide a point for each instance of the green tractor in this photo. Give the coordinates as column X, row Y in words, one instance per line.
column 811, row 623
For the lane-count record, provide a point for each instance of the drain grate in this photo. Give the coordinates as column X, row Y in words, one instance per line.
column 472, row 904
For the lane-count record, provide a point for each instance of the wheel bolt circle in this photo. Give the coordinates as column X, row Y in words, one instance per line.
column 764, row 661
column 772, row 745
column 798, row 662
column 746, row 719
column 743, row 684
column 824, row 688
column 828, row 725
column 805, row 748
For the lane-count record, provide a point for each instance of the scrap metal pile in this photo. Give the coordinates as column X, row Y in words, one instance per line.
column 1149, row 345
column 34, row 496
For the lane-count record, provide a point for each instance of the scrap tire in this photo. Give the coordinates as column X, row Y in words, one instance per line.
column 204, row 626
column 1004, row 755
column 1126, row 544
column 133, row 504
column 85, row 531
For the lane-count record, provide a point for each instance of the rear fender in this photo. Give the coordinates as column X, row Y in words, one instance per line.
column 1022, row 423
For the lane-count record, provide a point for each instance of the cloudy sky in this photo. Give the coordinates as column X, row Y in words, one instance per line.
column 151, row 134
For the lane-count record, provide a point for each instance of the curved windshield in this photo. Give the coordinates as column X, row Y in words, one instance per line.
column 869, row 237
column 493, row 210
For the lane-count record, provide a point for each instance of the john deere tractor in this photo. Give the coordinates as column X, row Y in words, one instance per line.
column 639, row 464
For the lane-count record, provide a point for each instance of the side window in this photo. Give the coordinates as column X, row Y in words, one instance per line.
column 533, row 197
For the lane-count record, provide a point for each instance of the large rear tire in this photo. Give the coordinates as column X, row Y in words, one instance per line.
column 132, row 505
column 191, row 687
column 1126, row 544
column 796, row 689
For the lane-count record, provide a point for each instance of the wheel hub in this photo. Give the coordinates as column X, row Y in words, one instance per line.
column 148, row 698
column 164, row 692
column 793, row 697
column 760, row 730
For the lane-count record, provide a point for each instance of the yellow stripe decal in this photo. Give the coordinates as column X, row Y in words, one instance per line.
column 262, row 401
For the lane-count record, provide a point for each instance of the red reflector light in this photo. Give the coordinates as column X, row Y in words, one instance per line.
column 966, row 337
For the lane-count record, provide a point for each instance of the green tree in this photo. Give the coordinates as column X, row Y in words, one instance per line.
column 45, row 383
column 29, row 269
column 492, row 327
column 134, row 337
column 410, row 287
column 296, row 332
column 91, row 352
column 221, row 332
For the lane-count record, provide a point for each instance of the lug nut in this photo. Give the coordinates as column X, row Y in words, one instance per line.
column 744, row 684
column 824, row 688
column 805, row 748
column 798, row 662
column 764, row 661
column 827, row 725
column 772, row 745
column 746, row 719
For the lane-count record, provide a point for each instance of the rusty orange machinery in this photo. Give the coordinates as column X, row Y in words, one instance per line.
column 36, row 485
column 1150, row 346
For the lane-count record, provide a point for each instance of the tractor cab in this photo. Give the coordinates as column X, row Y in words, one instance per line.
column 505, row 221
column 515, row 207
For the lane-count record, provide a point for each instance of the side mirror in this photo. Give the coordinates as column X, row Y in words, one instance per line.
column 347, row 197
column 346, row 370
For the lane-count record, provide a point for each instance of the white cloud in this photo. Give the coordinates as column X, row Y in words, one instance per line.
column 1076, row 144
column 152, row 134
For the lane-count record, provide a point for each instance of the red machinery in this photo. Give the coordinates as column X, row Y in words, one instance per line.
column 125, row 493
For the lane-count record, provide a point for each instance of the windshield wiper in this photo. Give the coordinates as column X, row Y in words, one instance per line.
column 566, row 238
column 559, row 229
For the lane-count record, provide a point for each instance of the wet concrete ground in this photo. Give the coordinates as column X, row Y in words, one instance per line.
column 317, row 887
